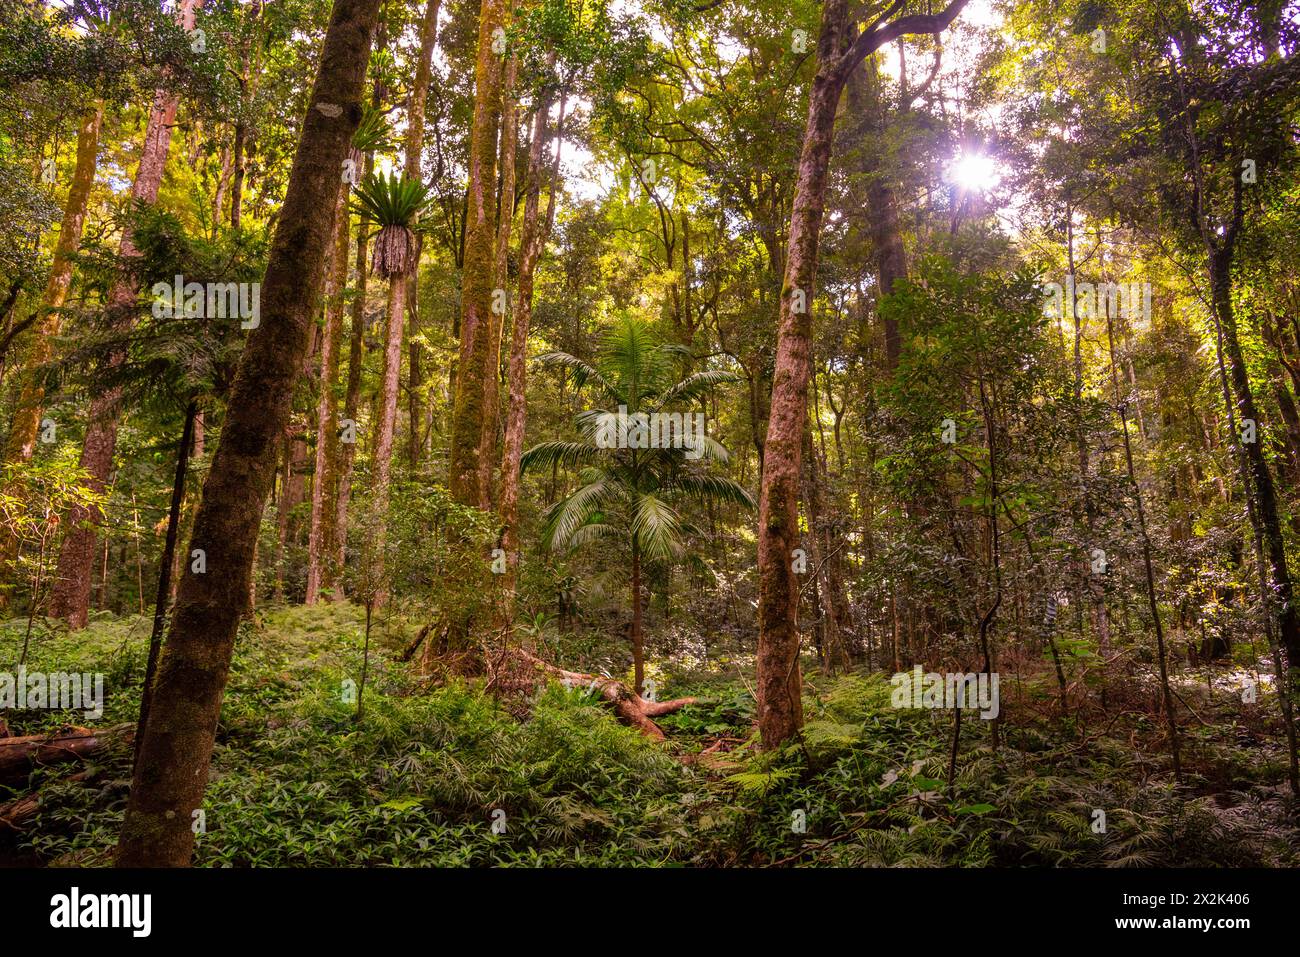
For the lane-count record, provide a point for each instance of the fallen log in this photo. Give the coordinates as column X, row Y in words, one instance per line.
column 14, row 813
column 423, row 633
column 631, row 708
column 19, row 755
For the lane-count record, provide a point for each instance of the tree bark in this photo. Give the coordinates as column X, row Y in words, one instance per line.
column 292, row 491
column 322, row 569
column 165, row 566
column 351, row 401
column 414, row 146
column 26, row 417
column 780, row 708
column 501, row 258
column 478, row 276
column 531, row 241
column 21, row 441
column 19, row 755
column 385, row 427
column 171, row 774
column 638, row 647
column 1261, row 476
column 71, row 598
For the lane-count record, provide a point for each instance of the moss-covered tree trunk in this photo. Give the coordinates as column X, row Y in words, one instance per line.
column 780, row 708
column 23, row 428
column 496, row 317
column 322, row 568
column 531, row 240
column 171, row 774
column 479, row 274
column 71, row 598
column 1260, row 481
column 414, row 147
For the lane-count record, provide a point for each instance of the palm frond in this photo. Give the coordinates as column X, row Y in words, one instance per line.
column 716, row 488
column 579, row 509
column 708, row 449
column 559, row 455
column 694, row 386
column 591, row 532
column 581, row 373
column 631, row 354
column 657, row 527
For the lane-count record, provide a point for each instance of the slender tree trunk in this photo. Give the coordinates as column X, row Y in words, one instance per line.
column 247, row 80
column 385, row 427
column 291, row 495
column 23, row 429
column 1288, row 617
column 171, row 774
column 530, row 248
column 356, row 351
column 71, row 598
column 867, row 101
column 780, row 708
column 414, row 146
column 501, row 257
column 26, row 417
column 638, row 646
column 322, row 570
column 351, row 399
column 1153, row 604
column 479, row 274
column 237, row 187
column 165, row 568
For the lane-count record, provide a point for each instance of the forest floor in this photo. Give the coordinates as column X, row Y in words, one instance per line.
column 448, row 776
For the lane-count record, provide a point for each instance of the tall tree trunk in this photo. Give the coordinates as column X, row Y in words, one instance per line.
column 1092, row 583
column 356, row 352
column 891, row 258
column 479, row 274
column 322, row 569
column 247, row 80
column 351, row 398
column 1261, row 476
column 638, row 645
column 780, row 705
column 165, row 568
column 71, row 598
column 237, row 188
column 27, row 414
column 171, row 774
column 1153, row 605
column 531, row 241
column 292, row 492
column 384, row 429
column 414, row 146
column 21, row 441
column 780, row 708
column 501, row 257
column 867, row 101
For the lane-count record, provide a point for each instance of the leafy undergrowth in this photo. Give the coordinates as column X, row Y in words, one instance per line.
column 422, row 779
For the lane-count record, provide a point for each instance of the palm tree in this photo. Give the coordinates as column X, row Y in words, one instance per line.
column 630, row 494
column 393, row 204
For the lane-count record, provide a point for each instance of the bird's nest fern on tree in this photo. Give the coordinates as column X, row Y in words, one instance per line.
column 394, row 205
